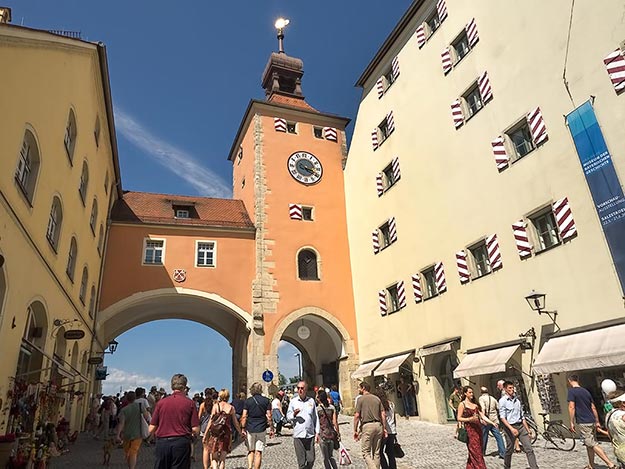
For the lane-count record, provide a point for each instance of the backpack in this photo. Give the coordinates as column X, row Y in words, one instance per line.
column 218, row 424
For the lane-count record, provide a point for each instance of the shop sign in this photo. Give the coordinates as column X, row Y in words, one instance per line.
column 74, row 334
column 101, row 373
column 95, row 360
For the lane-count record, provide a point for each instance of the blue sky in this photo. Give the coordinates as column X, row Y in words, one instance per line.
column 182, row 74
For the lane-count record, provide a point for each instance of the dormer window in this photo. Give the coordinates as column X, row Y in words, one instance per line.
column 182, row 214
column 183, row 211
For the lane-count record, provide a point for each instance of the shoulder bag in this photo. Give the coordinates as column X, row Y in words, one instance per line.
column 336, row 438
column 397, row 450
column 145, row 430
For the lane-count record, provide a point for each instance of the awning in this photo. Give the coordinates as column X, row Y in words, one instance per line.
column 485, row 363
column 598, row 348
column 436, row 348
column 365, row 369
column 391, row 365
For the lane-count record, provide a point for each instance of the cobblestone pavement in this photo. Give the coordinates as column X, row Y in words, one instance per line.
column 426, row 445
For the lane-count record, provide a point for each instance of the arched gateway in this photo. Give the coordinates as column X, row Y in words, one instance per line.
column 270, row 264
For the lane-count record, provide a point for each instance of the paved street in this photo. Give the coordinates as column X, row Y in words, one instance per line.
column 426, row 446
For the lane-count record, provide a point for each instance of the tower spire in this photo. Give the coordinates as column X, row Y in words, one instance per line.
column 280, row 24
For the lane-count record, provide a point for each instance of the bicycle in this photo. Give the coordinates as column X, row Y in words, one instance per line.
column 554, row 432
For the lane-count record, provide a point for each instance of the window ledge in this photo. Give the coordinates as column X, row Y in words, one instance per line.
column 536, row 252
column 477, row 277
column 455, row 64
column 205, row 266
column 386, row 189
column 71, row 279
column 23, row 191
column 431, row 297
column 309, row 279
column 516, row 160
column 152, row 264
column 52, row 246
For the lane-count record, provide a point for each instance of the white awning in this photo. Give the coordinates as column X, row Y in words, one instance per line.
column 391, row 365
column 592, row 349
column 444, row 347
column 485, row 363
column 365, row 370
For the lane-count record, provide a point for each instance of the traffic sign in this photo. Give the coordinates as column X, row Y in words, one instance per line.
column 267, row 376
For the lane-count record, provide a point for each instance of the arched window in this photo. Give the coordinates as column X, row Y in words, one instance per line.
column 92, row 302
column 29, row 363
column 100, row 240
column 54, row 223
column 94, row 216
column 28, row 165
column 83, row 285
column 307, row 265
column 3, row 291
column 70, row 135
column 84, row 182
column 71, row 259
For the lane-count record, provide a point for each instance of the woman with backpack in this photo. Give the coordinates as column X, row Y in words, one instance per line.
column 218, row 436
column 329, row 430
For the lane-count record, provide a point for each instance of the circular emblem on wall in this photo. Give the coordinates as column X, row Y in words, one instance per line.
column 305, row 167
column 303, row 332
column 180, row 275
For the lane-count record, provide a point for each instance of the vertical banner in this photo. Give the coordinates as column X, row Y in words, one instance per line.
column 602, row 180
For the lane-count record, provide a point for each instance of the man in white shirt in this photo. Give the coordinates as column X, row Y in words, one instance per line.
column 303, row 414
column 490, row 407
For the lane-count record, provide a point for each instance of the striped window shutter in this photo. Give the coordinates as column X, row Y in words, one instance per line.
column 396, row 171
column 456, row 113
column 390, row 122
column 379, row 185
column 416, row 288
column 392, row 229
column 463, row 268
column 379, row 85
column 537, row 126
column 439, row 273
column 295, row 211
column 483, row 82
column 615, row 65
column 329, row 133
column 279, row 124
column 494, row 255
column 499, row 151
column 401, row 294
column 446, row 59
column 564, row 218
column 374, row 139
column 441, row 7
column 523, row 245
column 471, row 30
column 375, row 239
column 395, row 67
column 382, row 302
column 421, row 35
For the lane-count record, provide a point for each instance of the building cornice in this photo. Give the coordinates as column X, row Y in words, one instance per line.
column 179, row 227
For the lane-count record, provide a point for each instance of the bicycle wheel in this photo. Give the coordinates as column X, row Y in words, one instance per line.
column 560, row 436
column 533, row 432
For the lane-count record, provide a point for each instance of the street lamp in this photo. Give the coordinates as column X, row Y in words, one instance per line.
column 112, row 346
column 299, row 364
column 537, row 302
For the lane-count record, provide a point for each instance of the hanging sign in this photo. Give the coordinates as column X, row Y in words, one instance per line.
column 267, row 376
column 95, row 360
column 101, row 373
column 74, row 334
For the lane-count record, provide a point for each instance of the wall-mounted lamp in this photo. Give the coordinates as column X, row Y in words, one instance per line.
column 529, row 334
column 537, row 302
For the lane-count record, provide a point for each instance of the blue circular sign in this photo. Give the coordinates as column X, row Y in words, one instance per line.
column 267, row 376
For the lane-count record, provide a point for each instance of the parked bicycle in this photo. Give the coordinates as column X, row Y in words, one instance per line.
column 553, row 431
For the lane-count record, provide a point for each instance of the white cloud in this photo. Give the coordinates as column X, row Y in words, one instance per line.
column 175, row 159
column 129, row 380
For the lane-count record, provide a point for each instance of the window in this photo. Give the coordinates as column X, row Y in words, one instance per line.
column 242, row 183
column 318, row 132
column 392, row 299
column 100, row 240
column 307, row 213
column 83, row 285
column 546, row 229
column 94, row 216
column 182, row 214
column 473, row 100
column 92, row 302
column 429, row 276
column 106, row 183
column 28, row 166
column 389, row 78
column 388, row 178
column 205, row 254
column 96, row 131
column 460, row 47
column 433, row 22
column 84, row 182
column 291, row 127
column 520, row 139
column 385, row 235
column 384, row 130
column 481, row 262
column 240, row 155
column 71, row 259
column 54, row 223
column 70, row 135
column 307, row 265
column 153, row 251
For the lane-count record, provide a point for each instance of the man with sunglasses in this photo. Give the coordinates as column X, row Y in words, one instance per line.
column 303, row 414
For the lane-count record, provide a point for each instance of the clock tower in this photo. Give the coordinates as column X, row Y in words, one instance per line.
column 288, row 163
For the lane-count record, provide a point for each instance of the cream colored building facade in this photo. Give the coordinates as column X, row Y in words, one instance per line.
column 424, row 186
column 58, row 178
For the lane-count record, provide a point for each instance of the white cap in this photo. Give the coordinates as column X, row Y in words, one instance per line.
column 620, row 398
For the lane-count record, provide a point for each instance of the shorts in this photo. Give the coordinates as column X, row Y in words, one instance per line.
column 256, row 441
column 587, row 432
column 132, row 446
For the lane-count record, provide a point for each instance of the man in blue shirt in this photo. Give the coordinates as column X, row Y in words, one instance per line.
column 582, row 411
column 514, row 426
column 303, row 414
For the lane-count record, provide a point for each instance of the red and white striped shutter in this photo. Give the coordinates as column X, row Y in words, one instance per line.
column 375, row 239
column 329, row 133
column 537, row 126
column 523, row 245
column 499, row 151
column 416, row 288
column 382, row 302
column 494, row 255
column 615, row 65
column 456, row 113
column 395, row 68
column 441, row 7
column 390, row 122
column 392, row 229
column 483, row 82
column 295, row 211
column 439, row 273
column 396, row 170
column 379, row 185
column 471, row 30
column 374, row 138
column 446, row 59
column 279, row 124
column 564, row 218
column 401, row 294
column 463, row 267
column 421, row 36
column 379, row 85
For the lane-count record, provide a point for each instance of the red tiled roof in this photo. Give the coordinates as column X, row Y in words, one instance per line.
column 290, row 101
column 146, row 207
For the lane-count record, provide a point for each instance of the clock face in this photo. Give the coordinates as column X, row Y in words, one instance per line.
column 305, row 167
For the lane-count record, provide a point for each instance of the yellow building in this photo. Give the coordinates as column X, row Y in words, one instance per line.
column 59, row 176
column 465, row 191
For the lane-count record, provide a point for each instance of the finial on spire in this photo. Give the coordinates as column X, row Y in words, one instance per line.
column 280, row 24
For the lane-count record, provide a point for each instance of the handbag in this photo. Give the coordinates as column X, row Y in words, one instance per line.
column 462, row 435
column 145, row 429
column 398, row 451
column 336, row 438
column 344, row 459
